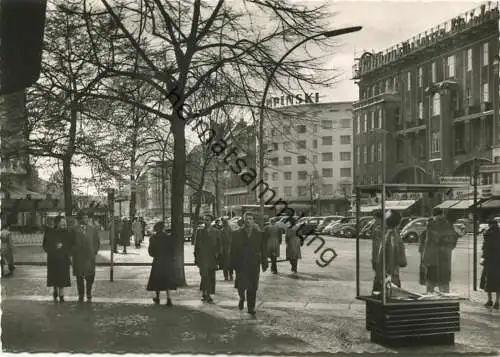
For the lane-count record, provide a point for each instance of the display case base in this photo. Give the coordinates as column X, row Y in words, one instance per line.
column 412, row 323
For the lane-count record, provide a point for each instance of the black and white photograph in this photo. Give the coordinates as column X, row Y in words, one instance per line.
column 250, row 177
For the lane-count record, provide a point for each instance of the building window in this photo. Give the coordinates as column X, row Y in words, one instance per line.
column 388, row 86
column 345, row 156
column 315, row 128
column 485, row 93
column 468, row 97
column 469, row 59
column 288, row 130
column 301, row 160
column 327, row 172
column 420, row 110
column 327, row 156
column 409, row 81
column 275, row 161
column 266, row 176
column 301, row 144
column 315, row 144
column 275, row 146
column 365, row 154
column 365, row 122
column 345, row 139
column 287, row 175
column 287, row 146
column 287, row 190
column 327, row 189
column 373, row 152
column 276, row 189
column 302, row 175
column 274, row 132
column 345, row 123
column 451, row 66
column 436, row 104
column 315, row 159
column 485, row 54
column 327, row 140
column 287, row 160
column 345, row 172
column 435, row 143
column 358, row 152
column 302, row 191
column 420, row 78
column 326, row 124
column 434, row 72
column 274, row 176
column 379, row 151
column 380, row 118
column 301, row 129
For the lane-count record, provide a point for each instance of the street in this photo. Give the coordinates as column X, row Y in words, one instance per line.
column 314, row 311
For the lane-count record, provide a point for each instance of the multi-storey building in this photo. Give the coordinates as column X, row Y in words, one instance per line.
column 428, row 107
column 309, row 156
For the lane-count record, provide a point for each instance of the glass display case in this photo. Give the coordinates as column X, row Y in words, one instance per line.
column 419, row 262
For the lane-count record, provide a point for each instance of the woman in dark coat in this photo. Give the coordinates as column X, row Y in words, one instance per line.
column 490, row 278
column 125, row 234
column 57, row 243
column 162, row 276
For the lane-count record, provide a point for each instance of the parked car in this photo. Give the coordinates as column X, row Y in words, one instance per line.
column 328, row 228
column 326, row 221
column 348, row 230
column 366, row 231
column 335, row 229
column 308, row 225
column 413, row 231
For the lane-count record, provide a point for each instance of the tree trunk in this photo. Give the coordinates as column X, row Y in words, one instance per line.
column 67, row 186
column 177, row 197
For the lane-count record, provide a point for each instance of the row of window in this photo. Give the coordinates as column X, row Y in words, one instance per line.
column 375, row 151
column 304, row 175
column 302, row 144
column 450, row 68
column 302, row 128
column 305, row 191
column 302, row 159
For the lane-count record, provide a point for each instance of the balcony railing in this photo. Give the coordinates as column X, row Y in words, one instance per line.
column 464, row 22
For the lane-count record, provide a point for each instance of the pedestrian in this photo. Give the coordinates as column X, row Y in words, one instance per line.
column 7, row 249
column 116, row 236
column 248, row 255
column 395, row 254
column 162, row 276
column 143, row 225
column 436, row 247
column 273, row 239
column 490, row 277
column 58, row 244
column 125, row 233
column 293, row 244
column 85, row 249
column 207, row 248
column 137, row 232
column 226, row 239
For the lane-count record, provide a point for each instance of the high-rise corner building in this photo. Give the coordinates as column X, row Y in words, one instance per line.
column 428, row 106
column 309, row 155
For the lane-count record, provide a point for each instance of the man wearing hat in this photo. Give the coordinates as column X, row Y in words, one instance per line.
column 85, row 250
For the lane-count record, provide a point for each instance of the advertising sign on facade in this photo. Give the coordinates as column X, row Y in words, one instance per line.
column 455, row 180
column 291, row 99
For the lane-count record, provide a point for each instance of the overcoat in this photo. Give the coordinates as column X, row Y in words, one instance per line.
column 490, row 278
column 207, row 249
column 125, row 233
column 7, row 246
column 273, row 240
column 436, row 246
column 162, row 276
column 58, row 244
column 85, row 248
column 137, row 231
column 226, row 239
column 248, row 254
column 293, row 243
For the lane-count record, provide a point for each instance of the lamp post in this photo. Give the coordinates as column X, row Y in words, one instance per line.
column 326, row 34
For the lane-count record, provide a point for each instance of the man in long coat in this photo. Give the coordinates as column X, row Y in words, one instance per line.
column 137, row 232
column 226, row 239
column 273, row 241
column 206, row 254
column 85, row 249
column 125, row 233
column 248, row 254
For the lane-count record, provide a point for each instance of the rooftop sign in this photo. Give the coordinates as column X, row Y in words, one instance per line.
column 292, row 99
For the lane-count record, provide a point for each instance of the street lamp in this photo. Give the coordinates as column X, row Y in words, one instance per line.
column 327, row 34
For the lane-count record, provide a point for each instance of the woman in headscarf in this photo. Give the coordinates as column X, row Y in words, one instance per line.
column 58, row 243
column 490, row 277
column 162, row 249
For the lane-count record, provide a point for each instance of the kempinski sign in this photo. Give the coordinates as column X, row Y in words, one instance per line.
column 293, row 99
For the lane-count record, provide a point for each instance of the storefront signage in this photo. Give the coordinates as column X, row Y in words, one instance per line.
column 293, row 99
column 455, row 180
column 488, row 169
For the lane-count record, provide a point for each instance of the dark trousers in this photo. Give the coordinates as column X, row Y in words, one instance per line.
column 251, row 296
column 80, row 284
column 228, row 274
column 274, row 265
column 207, row 285
column 294, row 263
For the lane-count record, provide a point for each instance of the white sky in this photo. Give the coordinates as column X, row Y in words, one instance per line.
column 385, row 23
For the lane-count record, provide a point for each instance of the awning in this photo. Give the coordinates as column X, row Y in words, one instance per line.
column 368, row 209
column 464, row 204
column 447, row 204
column 399, row 205
column 491, row 204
